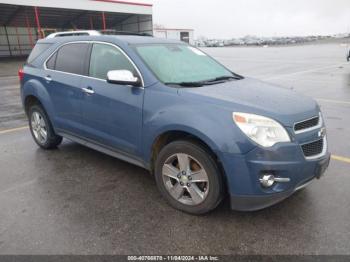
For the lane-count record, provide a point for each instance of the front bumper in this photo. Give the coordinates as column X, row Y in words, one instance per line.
column 284, row 160
column 253, row 203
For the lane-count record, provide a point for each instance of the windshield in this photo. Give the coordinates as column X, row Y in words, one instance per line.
column 180, row 63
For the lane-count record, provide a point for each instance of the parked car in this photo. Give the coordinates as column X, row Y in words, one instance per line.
column 202, row 130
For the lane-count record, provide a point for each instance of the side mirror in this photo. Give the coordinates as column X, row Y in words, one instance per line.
column 122, row 77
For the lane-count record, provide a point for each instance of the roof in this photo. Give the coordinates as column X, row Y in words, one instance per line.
column 124, row 2
column 117, row 6
column 128, row 39
column 65, row 18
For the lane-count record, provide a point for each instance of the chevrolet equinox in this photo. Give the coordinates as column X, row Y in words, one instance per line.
column 202, row 130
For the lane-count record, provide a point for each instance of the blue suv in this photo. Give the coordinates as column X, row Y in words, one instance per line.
column 202, row 130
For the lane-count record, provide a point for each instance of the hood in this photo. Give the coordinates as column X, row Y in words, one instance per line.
column 256, row 97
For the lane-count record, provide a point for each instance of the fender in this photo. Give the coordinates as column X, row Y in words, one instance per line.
column 34, row 87
column 180, row 128
column 218, row 133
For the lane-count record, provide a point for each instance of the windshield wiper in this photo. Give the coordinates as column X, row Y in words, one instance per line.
column 223, row 78
column 206, row 82
column 187, row 84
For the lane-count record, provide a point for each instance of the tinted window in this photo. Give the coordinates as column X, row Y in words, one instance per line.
column 50, row 64
column 37, row 50
column 105, row 58
column 71, row 58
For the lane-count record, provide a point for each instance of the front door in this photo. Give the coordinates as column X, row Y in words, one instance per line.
column 112, row 113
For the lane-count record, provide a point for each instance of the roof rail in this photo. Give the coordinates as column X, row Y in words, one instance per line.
column 94, row 32
column 116, row 32
column 74, row 33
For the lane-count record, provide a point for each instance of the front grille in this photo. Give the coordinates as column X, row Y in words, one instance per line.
column 313, row 148
column 307, row 124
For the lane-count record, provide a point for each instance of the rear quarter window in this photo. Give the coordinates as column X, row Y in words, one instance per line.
column 50, row 64
column 37, row 51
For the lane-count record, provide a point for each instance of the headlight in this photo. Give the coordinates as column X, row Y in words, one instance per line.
column 262, row 130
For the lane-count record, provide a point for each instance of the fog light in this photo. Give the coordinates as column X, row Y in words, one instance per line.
column 267, row 180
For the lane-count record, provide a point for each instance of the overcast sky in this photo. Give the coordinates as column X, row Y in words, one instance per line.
column 237, row 18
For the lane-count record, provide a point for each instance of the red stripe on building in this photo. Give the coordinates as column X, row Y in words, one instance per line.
column 123, row 2
column 103, row 21
column 36, row 11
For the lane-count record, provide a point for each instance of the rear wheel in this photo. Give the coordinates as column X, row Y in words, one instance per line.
column 188, row 177
column 41, row 128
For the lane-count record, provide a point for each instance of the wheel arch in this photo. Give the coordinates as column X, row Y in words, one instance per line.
column 31, row 100
column 35, row 92
column 169, row 136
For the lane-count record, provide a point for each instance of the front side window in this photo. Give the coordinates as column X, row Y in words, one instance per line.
column 105, row 58
column 71, row 58
column 178, row 63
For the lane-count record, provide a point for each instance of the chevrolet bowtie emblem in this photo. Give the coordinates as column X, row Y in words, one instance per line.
column 322, row 132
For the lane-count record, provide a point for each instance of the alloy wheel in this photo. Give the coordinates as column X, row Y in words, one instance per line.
column 185, row 179
column 38, row 126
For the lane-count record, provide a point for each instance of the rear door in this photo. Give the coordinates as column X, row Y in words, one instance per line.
column 112, row 113
column 65, row 69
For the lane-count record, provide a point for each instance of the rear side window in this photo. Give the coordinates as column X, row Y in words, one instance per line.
column 105, row 58
column 71, row 57
column 37, row 50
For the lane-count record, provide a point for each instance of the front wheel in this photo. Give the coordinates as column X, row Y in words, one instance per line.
column 41, row 128
column 188, row 177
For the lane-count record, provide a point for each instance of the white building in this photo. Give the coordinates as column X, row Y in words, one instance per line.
column 185, row 35
column 22, row 22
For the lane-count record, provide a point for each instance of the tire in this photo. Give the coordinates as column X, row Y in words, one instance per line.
column 40, row 124
column 189, row 191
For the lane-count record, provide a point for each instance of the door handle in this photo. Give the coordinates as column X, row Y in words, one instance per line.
column 88, row 90
column 48, row 78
